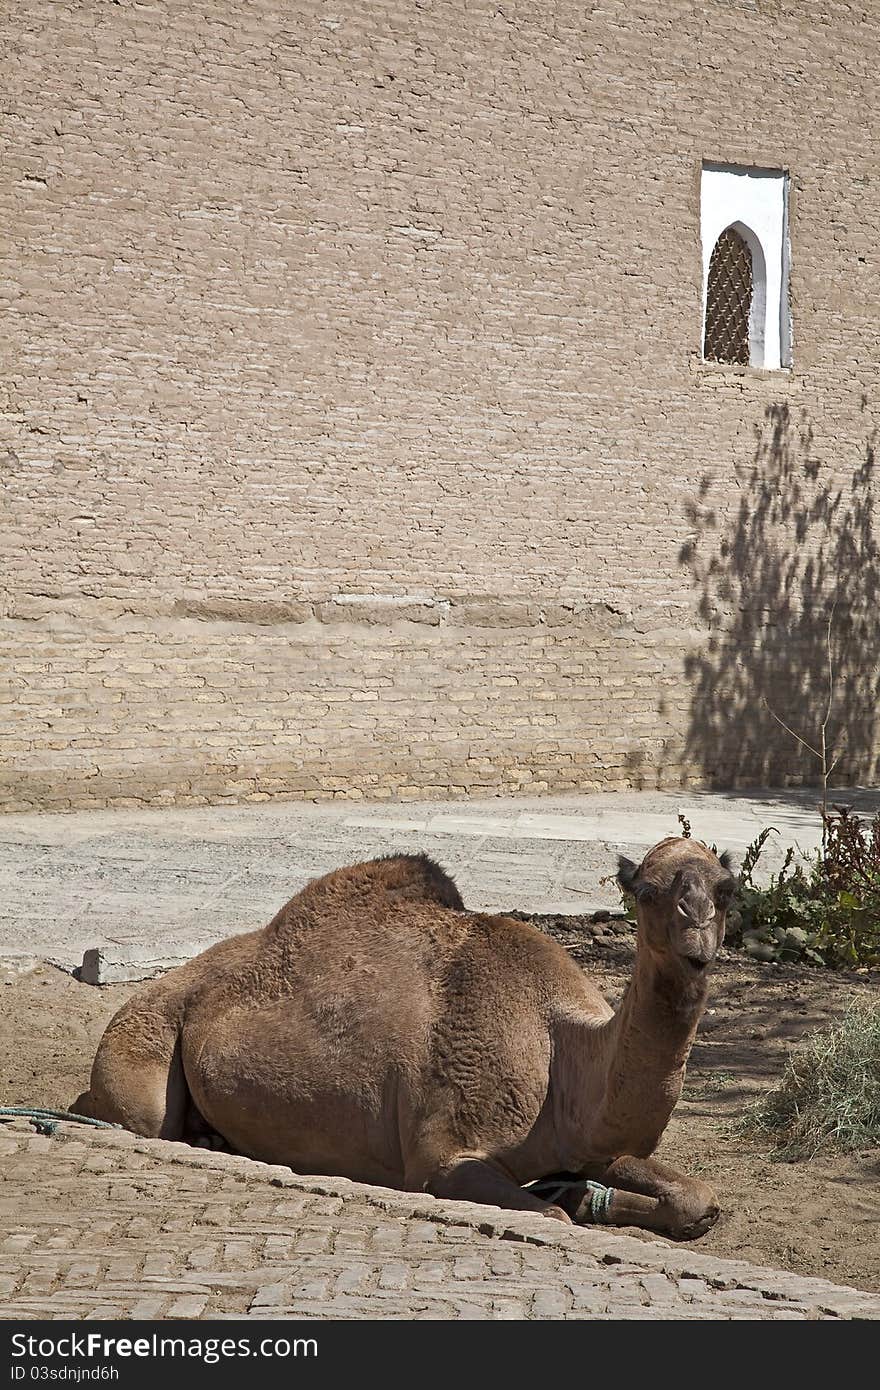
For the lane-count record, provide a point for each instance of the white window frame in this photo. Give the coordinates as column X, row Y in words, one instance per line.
column 754, row 202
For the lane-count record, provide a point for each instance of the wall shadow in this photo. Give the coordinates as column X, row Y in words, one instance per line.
column 801, row 542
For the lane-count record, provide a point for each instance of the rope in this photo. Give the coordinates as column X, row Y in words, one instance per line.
column 600, row 1197
column 600, row 1202
column 47, row 1121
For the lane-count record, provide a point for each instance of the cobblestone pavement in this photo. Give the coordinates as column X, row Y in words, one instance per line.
column 177, row 880
column 100, row 1224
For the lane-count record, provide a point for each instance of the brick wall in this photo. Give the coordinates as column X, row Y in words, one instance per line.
column 354, row 437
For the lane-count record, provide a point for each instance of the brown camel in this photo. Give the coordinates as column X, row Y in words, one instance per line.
column 378, row 1031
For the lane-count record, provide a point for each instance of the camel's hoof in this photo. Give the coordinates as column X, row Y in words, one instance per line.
column 698, row 1228
column 557, row 1214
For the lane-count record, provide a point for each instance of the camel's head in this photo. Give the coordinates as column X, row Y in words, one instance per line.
column 682, row 892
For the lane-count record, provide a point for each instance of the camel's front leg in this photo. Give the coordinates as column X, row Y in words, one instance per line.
column 648, row 1194
column 471, row 1179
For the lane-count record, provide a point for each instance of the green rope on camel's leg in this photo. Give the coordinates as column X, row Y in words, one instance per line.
column 600, row 1202
column 594, row 1206
column 47, row 1121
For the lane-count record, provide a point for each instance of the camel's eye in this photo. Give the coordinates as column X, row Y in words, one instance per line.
column 724, row 894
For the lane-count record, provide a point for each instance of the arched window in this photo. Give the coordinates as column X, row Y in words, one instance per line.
column 729, row 295
column 745, row 257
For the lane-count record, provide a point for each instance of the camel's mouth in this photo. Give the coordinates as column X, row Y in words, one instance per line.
column 695, row 963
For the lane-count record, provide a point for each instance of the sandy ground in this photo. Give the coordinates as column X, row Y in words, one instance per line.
column 818, row 1217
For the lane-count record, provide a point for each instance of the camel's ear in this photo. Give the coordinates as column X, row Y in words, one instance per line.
column 626, row 873
column 726, row 861
column 628, row 878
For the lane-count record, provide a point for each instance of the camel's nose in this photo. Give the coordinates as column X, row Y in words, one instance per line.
column 693, row 906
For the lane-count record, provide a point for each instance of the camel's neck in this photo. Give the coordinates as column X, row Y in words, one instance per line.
column 641, row 1054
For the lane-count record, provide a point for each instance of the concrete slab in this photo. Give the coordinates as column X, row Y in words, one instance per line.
column 558, row 827
column 386, row 822
column 471, row 825
column 115, row 965
column 154, row 878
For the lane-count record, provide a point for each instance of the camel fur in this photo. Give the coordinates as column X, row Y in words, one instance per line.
column 377, row 1030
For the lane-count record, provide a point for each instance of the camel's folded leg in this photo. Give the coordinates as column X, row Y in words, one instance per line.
column 137, row 1077
column 651, row 1195
column 470, row 1179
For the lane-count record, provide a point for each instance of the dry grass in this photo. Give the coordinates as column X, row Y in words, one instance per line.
column 829, row 1095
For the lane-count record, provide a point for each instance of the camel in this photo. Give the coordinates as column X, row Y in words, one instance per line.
column 376, row 1030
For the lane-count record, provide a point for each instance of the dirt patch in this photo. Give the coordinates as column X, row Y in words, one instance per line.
column 818, row 1217
column 50, row 1025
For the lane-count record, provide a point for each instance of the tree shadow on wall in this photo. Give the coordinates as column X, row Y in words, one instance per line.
column 800, row 549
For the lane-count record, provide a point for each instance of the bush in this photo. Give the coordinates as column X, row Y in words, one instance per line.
column 829, row 1095
column 825, row 909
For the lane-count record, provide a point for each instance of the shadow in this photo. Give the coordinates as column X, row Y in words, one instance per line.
column 799, row 552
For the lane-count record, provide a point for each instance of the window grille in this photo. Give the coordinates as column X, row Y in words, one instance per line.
column 728, row 300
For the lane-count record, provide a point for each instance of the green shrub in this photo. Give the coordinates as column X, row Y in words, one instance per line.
column 829, row 1095
column 824, row 909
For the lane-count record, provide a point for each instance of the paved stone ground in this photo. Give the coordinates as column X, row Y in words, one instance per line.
column 178, row 880
column 99, row 1224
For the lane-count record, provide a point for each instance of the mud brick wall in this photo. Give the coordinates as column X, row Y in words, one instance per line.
column 354, row 436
